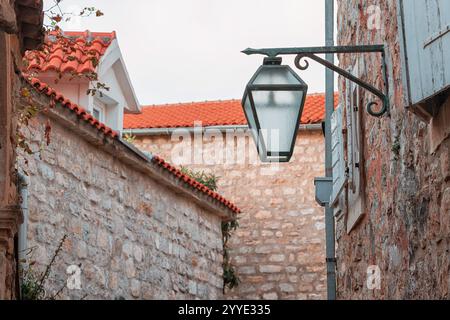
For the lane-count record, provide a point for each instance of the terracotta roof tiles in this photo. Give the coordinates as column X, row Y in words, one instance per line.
column 211, row 113
column 193, row 183
column 75, row 52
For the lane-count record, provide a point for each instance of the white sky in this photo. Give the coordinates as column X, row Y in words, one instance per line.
column 189, row 50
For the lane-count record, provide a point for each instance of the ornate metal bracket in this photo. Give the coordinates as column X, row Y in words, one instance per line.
column 311, row 53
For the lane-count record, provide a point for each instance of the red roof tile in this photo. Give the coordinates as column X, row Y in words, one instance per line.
column 84, row 115
column 211, row 113
column 72, row 53
column 80, row 111
column 193, row 183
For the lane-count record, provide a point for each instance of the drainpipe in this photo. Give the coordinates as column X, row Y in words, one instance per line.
column 329, row 108
column 23, row 228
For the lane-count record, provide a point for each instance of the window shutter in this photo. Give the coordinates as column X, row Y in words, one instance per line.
column 337, row 145
column 349, row 122
column 355, row 195
column 356, row 138
column 425, row 35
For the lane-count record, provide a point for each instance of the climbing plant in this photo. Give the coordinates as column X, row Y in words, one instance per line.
column 33, row 282
column 54, row 16
column 230, row 277
column 208, row 179
column 130, row 138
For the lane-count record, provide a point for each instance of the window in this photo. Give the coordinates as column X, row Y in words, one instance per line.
column 96, row 113
column 425, row 43
column 98, row 110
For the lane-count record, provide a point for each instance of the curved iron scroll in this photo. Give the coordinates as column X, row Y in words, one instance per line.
column 311, row 52
column 383, row 97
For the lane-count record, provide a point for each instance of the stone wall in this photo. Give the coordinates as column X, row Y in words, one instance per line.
column 279, row 248
column 131, row 236
column 10, row 215
column 15, row 17
column 405, row 231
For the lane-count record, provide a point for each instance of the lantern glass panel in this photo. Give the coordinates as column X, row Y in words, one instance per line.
column 278, row 75
column 277, row 113
column 251, row 121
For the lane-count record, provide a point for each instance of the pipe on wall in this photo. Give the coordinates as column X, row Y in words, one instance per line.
column 329, row 109
column 23, row 228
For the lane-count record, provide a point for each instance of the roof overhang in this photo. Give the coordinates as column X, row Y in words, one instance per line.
column 113, row 59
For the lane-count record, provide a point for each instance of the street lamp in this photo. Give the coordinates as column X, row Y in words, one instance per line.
column 273, row 104
column 274, row 98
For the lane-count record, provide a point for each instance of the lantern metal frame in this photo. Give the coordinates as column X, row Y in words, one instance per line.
column 250, row 88
column 311, row 53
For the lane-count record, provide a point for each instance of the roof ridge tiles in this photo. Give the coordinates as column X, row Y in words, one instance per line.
column 190, row 103
column 80, row 45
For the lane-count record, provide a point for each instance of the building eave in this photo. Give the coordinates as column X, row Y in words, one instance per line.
column 223, row 129
column 113, row 59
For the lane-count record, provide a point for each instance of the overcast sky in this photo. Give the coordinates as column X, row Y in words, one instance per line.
column 189, row 50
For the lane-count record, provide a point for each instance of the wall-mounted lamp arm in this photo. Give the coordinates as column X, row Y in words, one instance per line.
column 311, row 52
column 273, row 52
column 383, row 97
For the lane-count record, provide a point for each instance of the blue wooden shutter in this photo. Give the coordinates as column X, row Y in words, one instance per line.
column 425, row 41
column 337, row 143
column 355, row 194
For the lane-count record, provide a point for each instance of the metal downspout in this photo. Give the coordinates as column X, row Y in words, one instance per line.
column 23, row 228
column 329, row 107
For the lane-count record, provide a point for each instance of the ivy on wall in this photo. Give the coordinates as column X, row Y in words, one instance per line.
column 33, row 282
column 208, row 179
column 230, row 277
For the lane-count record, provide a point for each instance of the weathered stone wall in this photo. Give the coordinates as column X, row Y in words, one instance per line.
column 131, row 236
column 279, row 248
column 10, row 215
column 14, row 15
column 406, row 228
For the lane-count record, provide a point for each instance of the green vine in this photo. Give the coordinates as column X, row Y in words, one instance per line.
column 230, row 277
column 209, row 180
column 33, row 283
column 396, row 147
column 130, row 138
column 26, row 111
